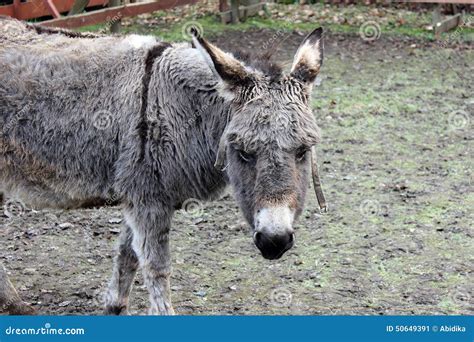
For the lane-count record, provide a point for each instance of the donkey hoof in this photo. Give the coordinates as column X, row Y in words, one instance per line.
column 21, row 309
column 116, row 311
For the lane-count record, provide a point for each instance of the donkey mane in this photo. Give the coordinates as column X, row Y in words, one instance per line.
column 67, row 33
column 262, row 62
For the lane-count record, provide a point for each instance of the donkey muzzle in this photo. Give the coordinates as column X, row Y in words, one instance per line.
column 273, row 246
column 274, row 233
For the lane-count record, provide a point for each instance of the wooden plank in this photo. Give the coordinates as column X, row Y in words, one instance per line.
column 447, row 24
column 100, row 16
column 244, row 12
column 235, row 11
column 436, row 14
column 38, row 8
column 52, row 8
column 115, row 25
column 9, row 10
column 439, row 1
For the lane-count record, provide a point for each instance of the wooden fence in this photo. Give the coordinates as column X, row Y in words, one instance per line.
column 102, row 12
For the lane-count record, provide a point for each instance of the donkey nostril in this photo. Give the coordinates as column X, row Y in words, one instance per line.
column 292, row 238
column 258, row 237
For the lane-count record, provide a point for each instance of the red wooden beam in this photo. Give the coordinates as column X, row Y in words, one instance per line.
column 38, row 8
column 439, row 1
column 100, row 16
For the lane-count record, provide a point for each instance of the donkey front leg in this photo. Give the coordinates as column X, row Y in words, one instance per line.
column 9, row 299
column 151, row 244
column 125, row 268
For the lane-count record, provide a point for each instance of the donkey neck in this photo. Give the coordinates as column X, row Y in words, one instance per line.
column 190, row 117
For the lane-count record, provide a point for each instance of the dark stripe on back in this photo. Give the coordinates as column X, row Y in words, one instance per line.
column 70, row 34
column 154, row 53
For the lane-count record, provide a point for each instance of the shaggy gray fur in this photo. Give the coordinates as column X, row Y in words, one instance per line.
column 132, row 119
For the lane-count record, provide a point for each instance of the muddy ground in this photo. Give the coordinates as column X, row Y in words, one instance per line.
column 396, row 163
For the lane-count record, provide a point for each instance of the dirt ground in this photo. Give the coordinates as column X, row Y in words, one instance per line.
column 396, row 164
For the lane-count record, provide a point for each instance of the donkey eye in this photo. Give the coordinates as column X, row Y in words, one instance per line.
column 301, row 153
column 246, row 157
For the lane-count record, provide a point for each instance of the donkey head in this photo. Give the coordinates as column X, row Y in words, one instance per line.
column 266, row 145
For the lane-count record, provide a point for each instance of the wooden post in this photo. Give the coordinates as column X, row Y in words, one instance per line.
column 223, row 6
column 116, row 24
column 78, row 7
column 234, row 5
column 16, row 5
column 436, row 15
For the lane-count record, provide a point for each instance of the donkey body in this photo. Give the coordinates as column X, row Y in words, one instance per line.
column 139, row 121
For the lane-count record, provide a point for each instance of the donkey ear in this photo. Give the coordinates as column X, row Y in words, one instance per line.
column 309, row 58
column 224, row 65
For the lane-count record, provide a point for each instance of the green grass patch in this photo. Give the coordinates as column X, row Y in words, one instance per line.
column 212, row 26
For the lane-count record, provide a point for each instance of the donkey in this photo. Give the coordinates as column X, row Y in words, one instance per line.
column 151, row 124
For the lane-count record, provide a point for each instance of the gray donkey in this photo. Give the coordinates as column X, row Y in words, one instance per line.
column 85, row 117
